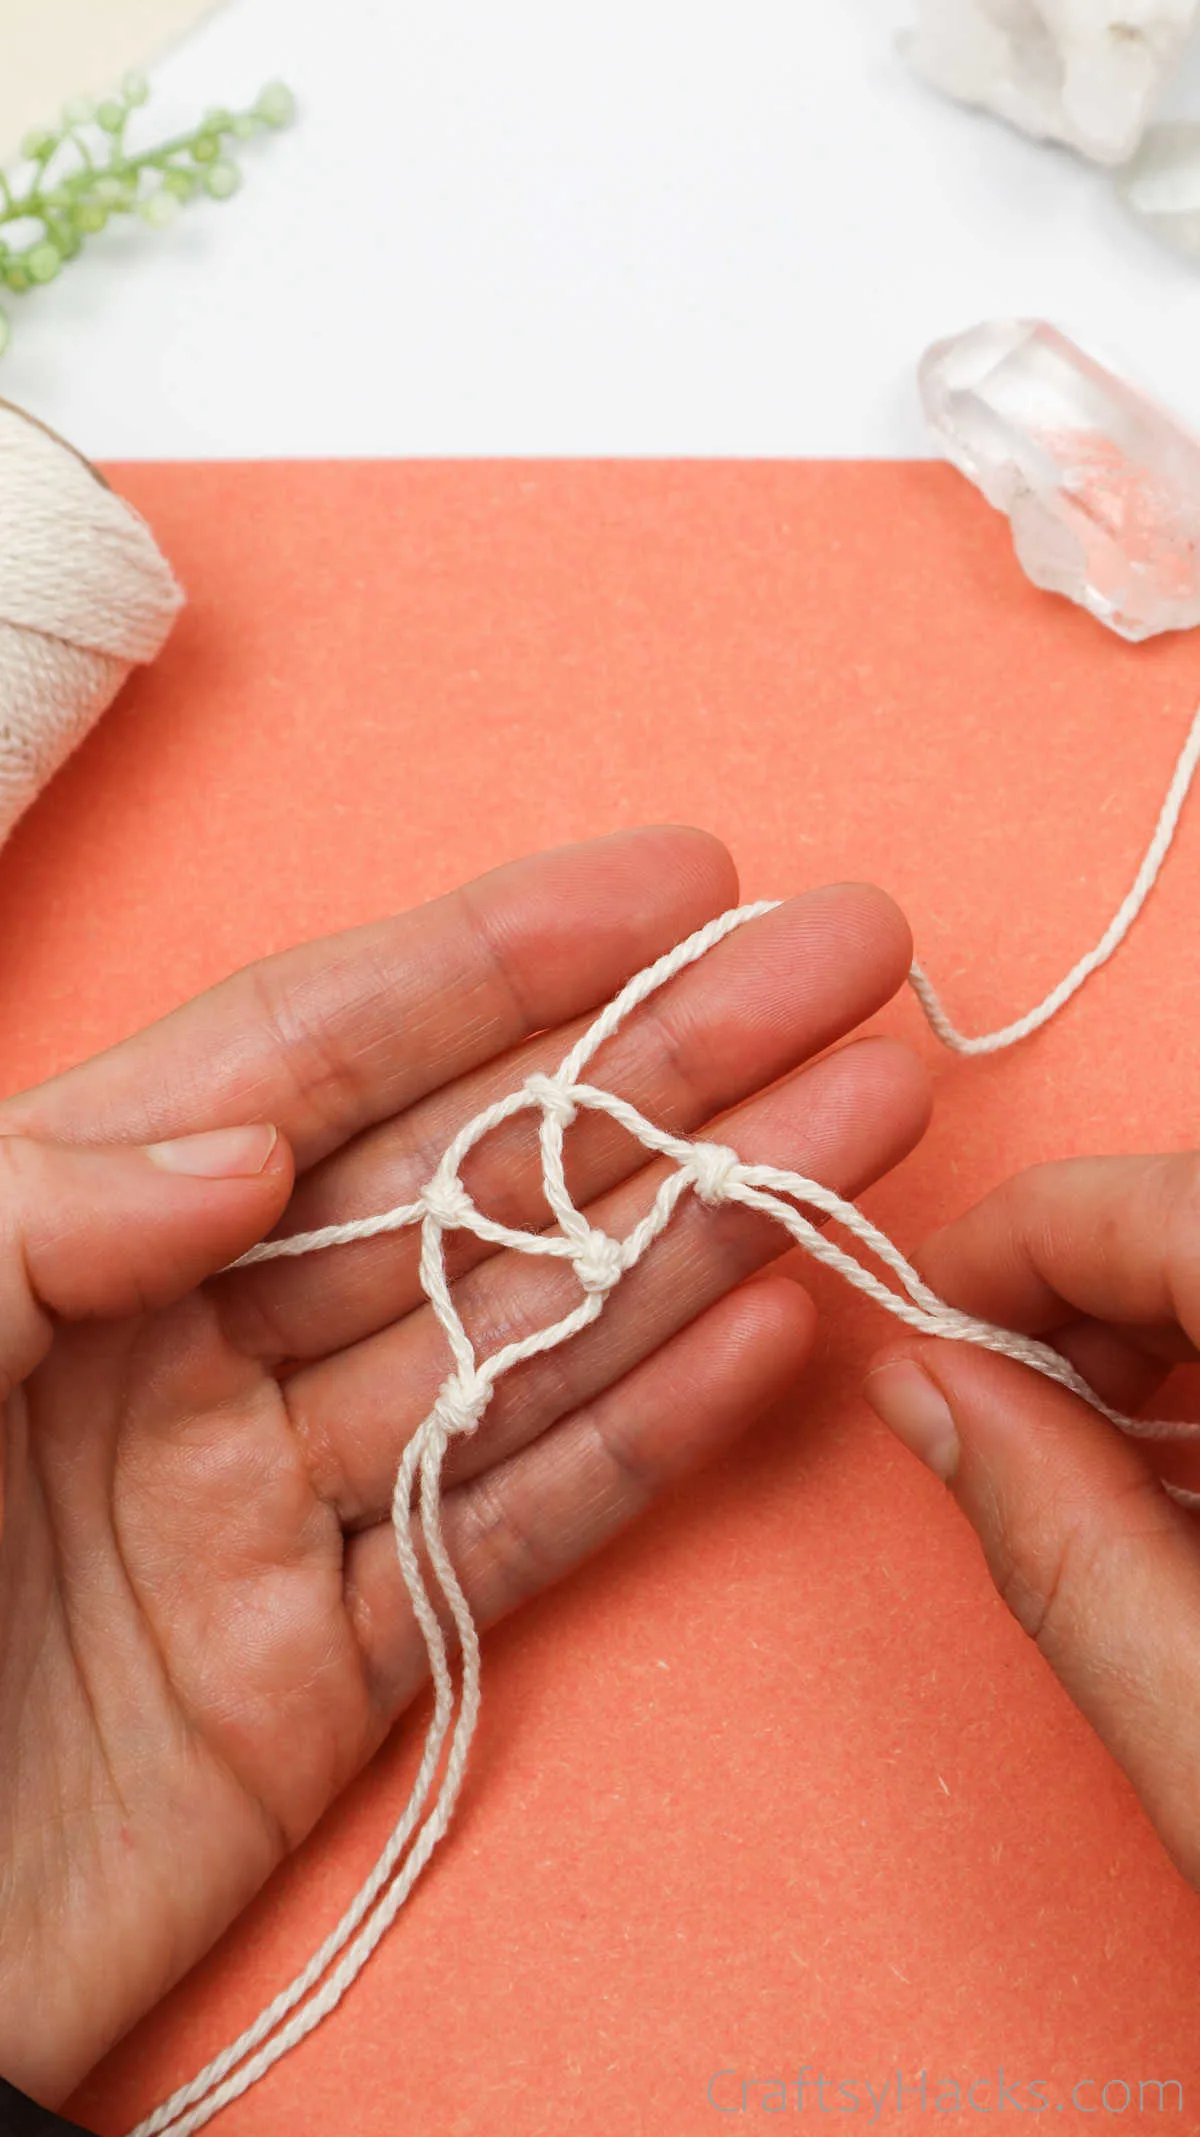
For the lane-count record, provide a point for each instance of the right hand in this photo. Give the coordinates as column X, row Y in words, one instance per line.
column 1101, row 1256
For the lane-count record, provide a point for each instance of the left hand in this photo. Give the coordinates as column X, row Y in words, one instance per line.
column 203, row 1630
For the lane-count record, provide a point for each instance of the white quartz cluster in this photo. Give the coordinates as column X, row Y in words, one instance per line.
column 1087, row 72
column 1162, row 185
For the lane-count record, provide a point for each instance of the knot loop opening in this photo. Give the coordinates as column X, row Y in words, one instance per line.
column 710, row 1167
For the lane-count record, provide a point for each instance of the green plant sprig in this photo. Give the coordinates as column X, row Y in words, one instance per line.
column 80, row 174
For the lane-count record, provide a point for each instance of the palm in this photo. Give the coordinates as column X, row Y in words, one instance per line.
column 182, row 1661
column 205, row 1629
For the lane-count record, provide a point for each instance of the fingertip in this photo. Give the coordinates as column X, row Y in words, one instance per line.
column 238, row 1169
column 910, row 1402
column 240, row 1153
column 902, row 1076
column 892, row 1354
column 1026, row 1448
column 850, row 948
column 243, row 1211
column 280, row 1168
column 1085, row 1549
column 879, row 925
column 881, row 1092
column 212, row 1205
column 778, row 1315
column 698, row 863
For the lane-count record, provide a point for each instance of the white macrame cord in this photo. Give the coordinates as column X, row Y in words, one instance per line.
column 714, row 1173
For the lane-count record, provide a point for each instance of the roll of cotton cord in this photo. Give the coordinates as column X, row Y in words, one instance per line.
column 85, row 596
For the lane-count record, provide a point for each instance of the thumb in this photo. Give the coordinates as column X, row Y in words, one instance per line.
column 1094, row 1560
column 110, row 1230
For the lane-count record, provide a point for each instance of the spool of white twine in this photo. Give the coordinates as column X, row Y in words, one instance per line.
column 85, row 595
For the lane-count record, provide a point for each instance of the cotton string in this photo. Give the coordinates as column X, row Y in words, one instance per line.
column 715, row 1174
column 1114, row 934
column 84, row 596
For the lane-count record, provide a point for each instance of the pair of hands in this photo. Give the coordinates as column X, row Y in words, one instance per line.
column 204, row 1626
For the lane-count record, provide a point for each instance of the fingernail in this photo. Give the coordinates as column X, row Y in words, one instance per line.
column 917, row 1412
column 217, row 1154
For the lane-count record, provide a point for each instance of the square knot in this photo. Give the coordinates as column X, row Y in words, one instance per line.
column 549, row 1094
column 447, row 1200
column 462, row 1400
column 599, row 1263
column 709, row 1167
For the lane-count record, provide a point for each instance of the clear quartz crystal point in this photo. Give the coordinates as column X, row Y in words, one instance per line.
column 1101, row 484
column 1087, row 72
column 1162, row 185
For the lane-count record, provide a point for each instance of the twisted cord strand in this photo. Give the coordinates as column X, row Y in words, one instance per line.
column 715, row 1174
column 1114, row 934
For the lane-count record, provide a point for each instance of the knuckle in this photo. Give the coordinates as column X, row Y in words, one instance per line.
column 325, row 1074
column 677, row 1049
column 1174, row 1189
column 15, row 1169
column 489, row 951
column 614, row 1442
column 508, row 1557
column 1058, row 1594
column 19, row 1166
column 1183, row 1242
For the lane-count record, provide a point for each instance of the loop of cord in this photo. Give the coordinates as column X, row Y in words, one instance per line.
column 715, row 1174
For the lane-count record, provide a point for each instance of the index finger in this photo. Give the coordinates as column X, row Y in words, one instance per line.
column 1114, row 1239
column 327, row 1039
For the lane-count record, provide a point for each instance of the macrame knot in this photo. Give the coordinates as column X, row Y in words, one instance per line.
column 599, row 1262
column 446, row 1199
column 462, row 1401
column 549, row 1094
column 710, row 1167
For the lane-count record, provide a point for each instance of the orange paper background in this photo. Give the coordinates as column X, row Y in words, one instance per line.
column 776, row 1781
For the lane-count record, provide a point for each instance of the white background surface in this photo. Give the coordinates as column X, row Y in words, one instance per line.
column 551, row 227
